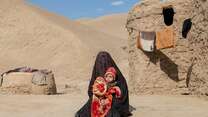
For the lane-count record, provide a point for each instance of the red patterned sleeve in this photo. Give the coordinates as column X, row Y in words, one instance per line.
column 95, row 107
column 115, row 90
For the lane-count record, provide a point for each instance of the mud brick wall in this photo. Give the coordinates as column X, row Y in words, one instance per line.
column 179, row 70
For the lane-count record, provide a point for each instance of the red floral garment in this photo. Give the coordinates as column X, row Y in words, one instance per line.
column 102, row 104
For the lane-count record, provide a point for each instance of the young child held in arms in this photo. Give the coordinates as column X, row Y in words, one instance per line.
column 103, row 91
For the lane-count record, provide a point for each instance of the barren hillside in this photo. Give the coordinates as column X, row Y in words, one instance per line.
column 111, row 24
column 33, row 37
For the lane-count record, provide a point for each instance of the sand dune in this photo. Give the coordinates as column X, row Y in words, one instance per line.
column 111, row 24
column 36, row 38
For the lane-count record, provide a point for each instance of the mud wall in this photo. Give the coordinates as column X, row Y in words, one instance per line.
column 179, row 70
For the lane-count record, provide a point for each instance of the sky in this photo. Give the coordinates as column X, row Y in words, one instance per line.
column 76, row 9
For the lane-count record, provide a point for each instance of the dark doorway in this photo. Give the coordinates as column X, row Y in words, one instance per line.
column 187, row 24
column 168, row 14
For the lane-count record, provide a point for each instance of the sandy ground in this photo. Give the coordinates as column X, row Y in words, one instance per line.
column 67, row 105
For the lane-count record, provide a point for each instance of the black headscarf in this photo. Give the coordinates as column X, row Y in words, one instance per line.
column 120, row 106
column 102, row 63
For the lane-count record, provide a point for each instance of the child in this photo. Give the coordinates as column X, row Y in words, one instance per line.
column 110, row 78
column 103, row 88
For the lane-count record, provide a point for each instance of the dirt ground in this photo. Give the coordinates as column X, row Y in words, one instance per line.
column 67, row 105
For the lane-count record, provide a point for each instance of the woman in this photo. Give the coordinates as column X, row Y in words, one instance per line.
column 120, row 106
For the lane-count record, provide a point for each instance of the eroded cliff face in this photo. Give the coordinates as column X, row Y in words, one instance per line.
column 178, row 70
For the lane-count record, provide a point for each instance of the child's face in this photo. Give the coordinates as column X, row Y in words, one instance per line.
column 109, row 78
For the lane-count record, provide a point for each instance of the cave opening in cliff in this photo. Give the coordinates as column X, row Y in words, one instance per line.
column 168, row 14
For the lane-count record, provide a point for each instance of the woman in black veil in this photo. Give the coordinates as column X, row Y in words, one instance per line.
column 120, row 107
